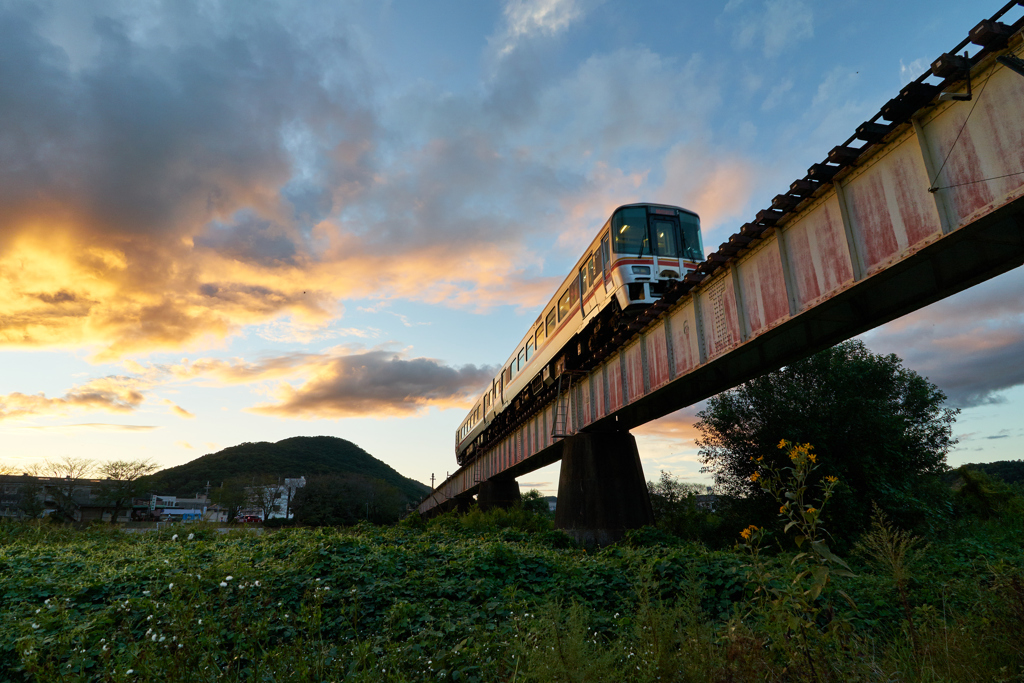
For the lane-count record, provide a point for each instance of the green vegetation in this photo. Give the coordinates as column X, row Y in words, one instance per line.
column 295, row 457
column 877, row 426
column 501, row 596
column 340, row 500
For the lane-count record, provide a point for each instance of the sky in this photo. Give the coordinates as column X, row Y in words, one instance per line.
column 224, row 222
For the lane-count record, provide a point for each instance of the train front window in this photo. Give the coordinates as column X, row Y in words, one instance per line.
column 665, row 231
column 629, row 232
column 693, row 248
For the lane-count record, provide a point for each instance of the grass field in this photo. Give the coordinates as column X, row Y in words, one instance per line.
column 496, row 597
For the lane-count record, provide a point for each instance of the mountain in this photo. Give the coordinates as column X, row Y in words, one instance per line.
column 299, row 456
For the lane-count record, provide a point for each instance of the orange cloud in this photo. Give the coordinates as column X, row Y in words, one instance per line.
column 116, row 394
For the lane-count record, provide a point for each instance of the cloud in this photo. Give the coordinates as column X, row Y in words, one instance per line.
column 970, row 344
column 174, row 175
column 378, row 383
column 777, row 25
column 97, row 426
column 115, row 393
column 717, row 185
column 910, row 72
column 181, row 412
column 525, row 19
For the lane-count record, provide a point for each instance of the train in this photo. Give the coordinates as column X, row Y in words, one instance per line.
column 638, row 253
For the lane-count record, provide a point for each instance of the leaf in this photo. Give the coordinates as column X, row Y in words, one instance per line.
column 789, row 526
column 849, row 600
column 800, row 541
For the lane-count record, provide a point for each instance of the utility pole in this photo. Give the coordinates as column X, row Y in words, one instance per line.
column 431, row 481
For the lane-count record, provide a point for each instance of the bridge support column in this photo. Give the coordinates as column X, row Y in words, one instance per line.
column 461, row 504
column 601, row 488
column 498, row 493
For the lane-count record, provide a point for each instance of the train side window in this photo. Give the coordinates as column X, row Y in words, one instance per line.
column 564, row 304
column 585, row 279
column 549, row 323
column 522, row 359
column 574, row 292
column 606, row 256
column 629, row 230
column 529, row 348
column 539, row 337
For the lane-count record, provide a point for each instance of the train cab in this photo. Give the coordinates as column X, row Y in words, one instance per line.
column 650, row 246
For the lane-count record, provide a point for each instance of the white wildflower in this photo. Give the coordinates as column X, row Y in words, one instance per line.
column 174, row 537
column 191, row 536
column 223, row 584
column 229, row 577
column 35, row 626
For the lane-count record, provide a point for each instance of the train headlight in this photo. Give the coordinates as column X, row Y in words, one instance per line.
column 641, row 270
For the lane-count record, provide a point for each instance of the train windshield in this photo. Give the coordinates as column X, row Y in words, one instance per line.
column 693, row 247
column 665, row 231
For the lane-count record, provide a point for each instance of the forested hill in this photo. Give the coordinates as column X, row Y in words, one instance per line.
column 1010, row 471
column 295, row 457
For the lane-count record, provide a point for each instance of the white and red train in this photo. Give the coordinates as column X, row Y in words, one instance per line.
column 639, row 252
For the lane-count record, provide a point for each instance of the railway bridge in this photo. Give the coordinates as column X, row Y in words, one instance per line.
column 924, row 200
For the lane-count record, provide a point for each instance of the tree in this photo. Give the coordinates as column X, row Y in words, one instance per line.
column 533, row 501
column 31, row 499
column 65, row 474
column 876, row 425
column 264, row 494
column 231, row 496
column 123, row 482
column 676, row 509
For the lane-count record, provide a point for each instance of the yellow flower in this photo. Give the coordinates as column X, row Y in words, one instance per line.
column 748, row 532
column 782, row 444
column 810, row 510
column 761, row 459
column 812, row 457
column 830, row 479
column 782, row 510
column 755, row 476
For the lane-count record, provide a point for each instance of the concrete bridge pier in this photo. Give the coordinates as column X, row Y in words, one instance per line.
column 601, row 488
column 498, row 493
column 460, row 504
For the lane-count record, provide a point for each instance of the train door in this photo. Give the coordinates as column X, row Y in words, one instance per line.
column 606, row 260
column 587, row 277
